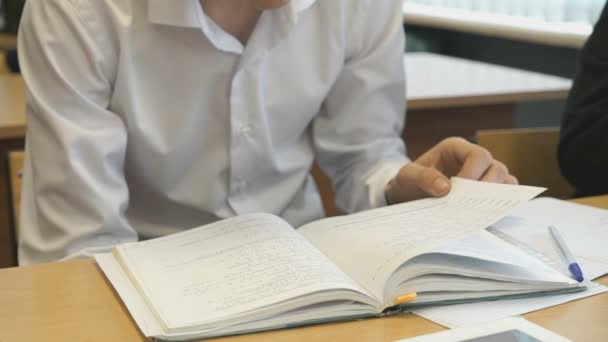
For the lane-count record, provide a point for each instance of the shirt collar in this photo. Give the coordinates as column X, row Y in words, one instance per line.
column 183, row 13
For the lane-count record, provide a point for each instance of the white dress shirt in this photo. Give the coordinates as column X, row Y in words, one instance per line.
column 145, row 118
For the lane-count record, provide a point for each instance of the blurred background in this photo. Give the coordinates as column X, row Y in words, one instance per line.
column 536, row 35
column 10, row 12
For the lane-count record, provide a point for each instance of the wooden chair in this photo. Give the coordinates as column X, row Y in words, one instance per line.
column 530, row 155
column 3, row 66
column 15, row 167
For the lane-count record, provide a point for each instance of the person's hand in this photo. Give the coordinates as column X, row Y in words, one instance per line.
column 430, row 174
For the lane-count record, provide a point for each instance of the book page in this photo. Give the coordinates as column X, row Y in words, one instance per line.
column 484, row 245
column 371, row 245
column 140, row 312
column 227, row 269
column 494, row 259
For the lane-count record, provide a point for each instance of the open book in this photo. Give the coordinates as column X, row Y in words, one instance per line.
column 256, row 272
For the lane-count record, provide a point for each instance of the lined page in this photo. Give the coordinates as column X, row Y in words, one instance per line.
column 484, row 245
column 369, row 246
column 228, row 268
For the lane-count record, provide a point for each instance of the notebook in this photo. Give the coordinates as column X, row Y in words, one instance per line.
column 256, row 272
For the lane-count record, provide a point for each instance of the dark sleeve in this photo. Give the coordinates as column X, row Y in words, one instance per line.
column 583, row 148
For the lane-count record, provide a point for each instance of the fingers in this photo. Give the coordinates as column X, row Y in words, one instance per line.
column 454, row 156
column 433, row 182
column 476, row 163
column 511, row 180
column 496, row 173
column 499, row 173
column 415, row 181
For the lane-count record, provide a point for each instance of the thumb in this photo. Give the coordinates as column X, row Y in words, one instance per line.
column 432, row 182
column 416, row 181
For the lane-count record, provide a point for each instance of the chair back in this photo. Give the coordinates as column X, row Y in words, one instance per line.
column 531, row 155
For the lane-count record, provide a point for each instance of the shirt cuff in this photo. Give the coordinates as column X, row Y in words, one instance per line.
column 379, row 178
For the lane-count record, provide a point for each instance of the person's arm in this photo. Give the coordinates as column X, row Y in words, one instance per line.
column 358, row 131
column 74, row 191
column 584, row 136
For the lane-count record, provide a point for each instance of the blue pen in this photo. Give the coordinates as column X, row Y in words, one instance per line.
column 573, row 266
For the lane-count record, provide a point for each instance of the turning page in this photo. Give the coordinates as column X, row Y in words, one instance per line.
column 371, row 245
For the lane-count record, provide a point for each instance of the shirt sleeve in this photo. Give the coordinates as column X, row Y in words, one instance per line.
column 74, row 192
column 357, row 134
column 584, row 134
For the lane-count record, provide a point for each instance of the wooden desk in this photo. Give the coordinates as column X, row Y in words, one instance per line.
column 3, row 66
column 72, row 301
column 531, row 29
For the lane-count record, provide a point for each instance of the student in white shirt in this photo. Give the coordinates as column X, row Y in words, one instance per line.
column 148, row 117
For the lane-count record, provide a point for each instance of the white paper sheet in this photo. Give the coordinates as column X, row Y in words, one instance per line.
column 585, row 230
column 459, row 315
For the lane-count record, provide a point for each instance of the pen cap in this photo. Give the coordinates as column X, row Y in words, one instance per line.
column 576, row 271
